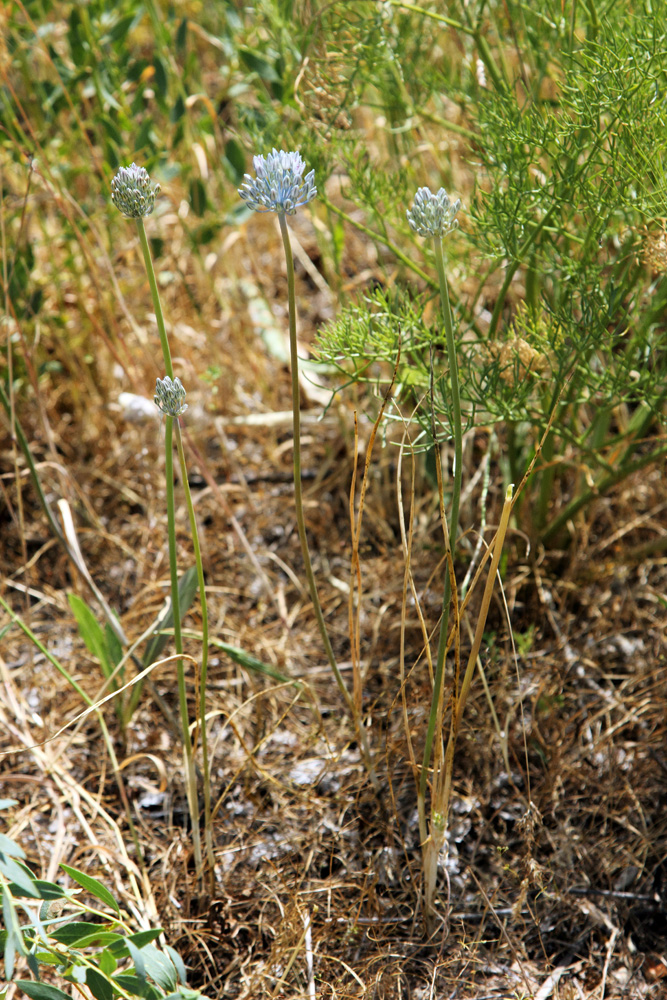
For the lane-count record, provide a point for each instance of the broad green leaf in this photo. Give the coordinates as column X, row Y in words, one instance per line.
column 258, row 64
column 91, row 884
column 137, row 958
column 182, row 35
column 82, row 934
column 41, row 991
column 235, row 159
column 9, row 955
column 178, row 964
column 13, row 941
column 98, row 985
column 142, row 938
column 108, row 963
column 137, row 987
column 123, row 26
column 49, row 890
column 139, row 940
column 9, row 846
column 159, row 967
column 198, row 197
column 160, row 77
column 7, row 803
column 19, row 875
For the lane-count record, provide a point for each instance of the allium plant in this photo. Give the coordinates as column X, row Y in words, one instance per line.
column 433, row 216
column 280, row 186
column 133, row 193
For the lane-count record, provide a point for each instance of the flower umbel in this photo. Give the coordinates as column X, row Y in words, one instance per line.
column 133, row 192
column 280, row 185
column 169, row 396
column 433, row 214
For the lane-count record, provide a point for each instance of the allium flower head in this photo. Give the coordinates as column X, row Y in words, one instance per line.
column 280, row 185
column 169, row 396
column 433, row 214
column 133, row 192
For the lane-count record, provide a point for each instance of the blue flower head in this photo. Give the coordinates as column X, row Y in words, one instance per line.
column 433, row 214
column 133, row 192
column 279, row 185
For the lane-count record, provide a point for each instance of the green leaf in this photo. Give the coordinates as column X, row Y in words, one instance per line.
column 111, row 129
column 41, row 991
column 120, row 948
column 182, row 35
column 234, row 160
column 9, row 846
column 187, row 588
column 252, row 663
column 90, row 631
column 13, row 942
column 137, row 987
column 198, row 199
column 137, row 958
column 142, row 938
column 160, row 77
column 159, row 967
column 94, row 887
column 256, row 63
column 98, row 985
column 83, row 933
column 178, row 110
column 108, row 963
column 122, row 27
column 178, row 964
column 114, row 648
column 20, row 875
column 49, row 890
column 7, row 803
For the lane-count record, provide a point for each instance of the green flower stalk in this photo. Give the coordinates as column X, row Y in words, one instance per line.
column 133, row 193
column 434, row 216
column 280, row 186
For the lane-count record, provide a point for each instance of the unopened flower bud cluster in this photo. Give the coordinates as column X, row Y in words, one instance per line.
column 169, row 396
column 133, row 192
column 433, row 214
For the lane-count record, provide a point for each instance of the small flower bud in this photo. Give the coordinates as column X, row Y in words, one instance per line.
column 280, row 185
column 133, row 192
column 433, row 214
column 169, row 396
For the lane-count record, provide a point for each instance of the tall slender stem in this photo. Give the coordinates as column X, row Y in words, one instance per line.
column 457, row 431
column 298, row 500
column 208, row 838
column 148, row 261
column 190, row 776
column 298, row 491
